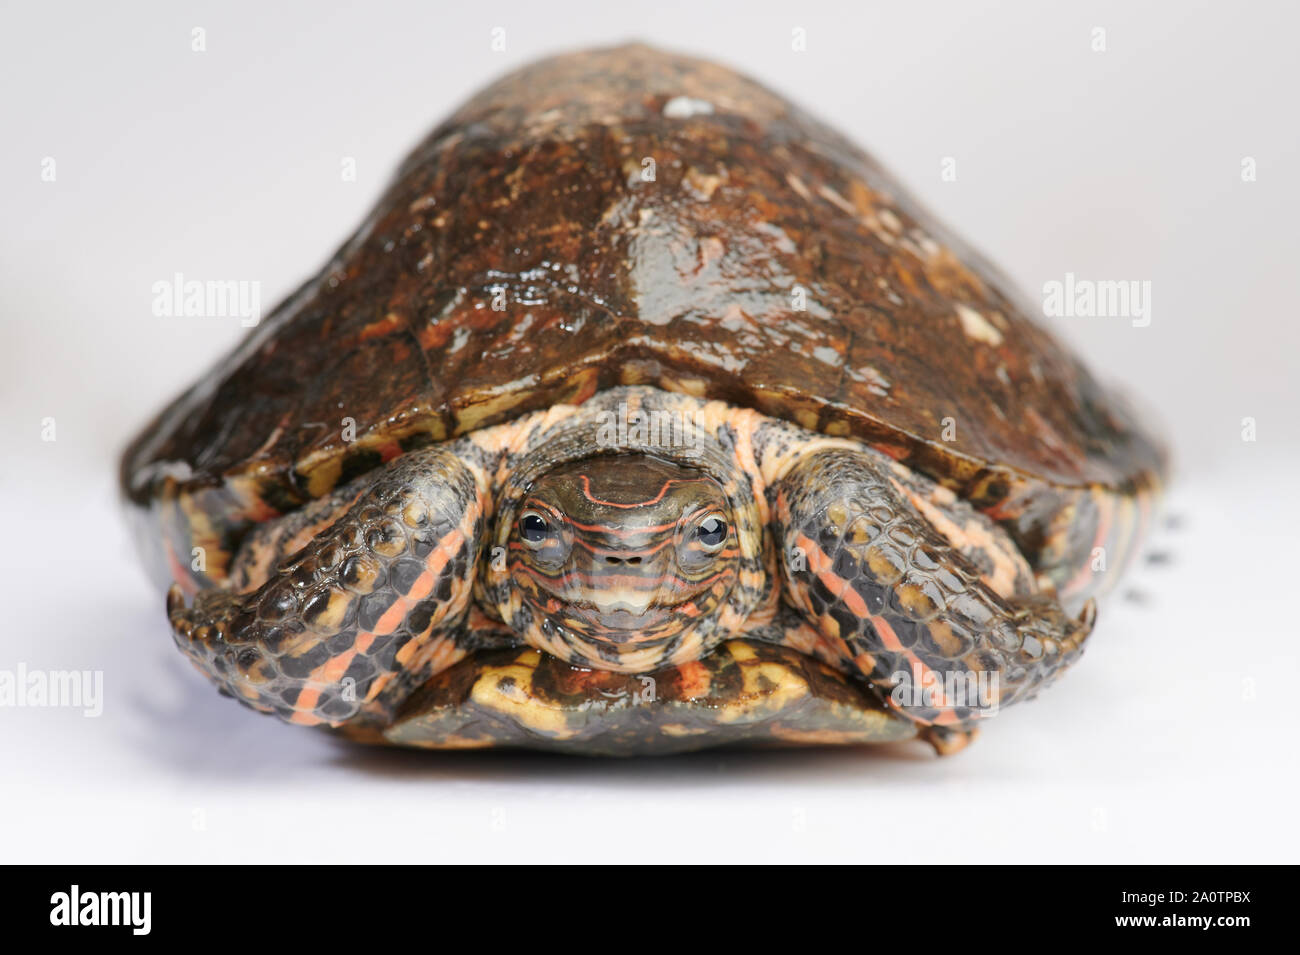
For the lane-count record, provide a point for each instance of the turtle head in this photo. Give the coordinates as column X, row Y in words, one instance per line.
column 622, row 553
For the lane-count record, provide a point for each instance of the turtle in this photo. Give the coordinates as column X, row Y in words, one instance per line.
column 644, row 413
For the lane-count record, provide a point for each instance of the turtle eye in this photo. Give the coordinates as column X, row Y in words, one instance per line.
column 533, row 528
column 711, row 533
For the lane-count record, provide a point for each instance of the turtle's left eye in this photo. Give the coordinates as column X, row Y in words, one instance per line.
column 533, row 528
column 711, row 533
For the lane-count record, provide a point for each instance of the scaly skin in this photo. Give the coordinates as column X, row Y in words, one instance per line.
column 869, row 571
column 370, row 599
column 339, row 613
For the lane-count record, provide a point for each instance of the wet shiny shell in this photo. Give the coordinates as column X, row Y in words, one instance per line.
column 631, row 217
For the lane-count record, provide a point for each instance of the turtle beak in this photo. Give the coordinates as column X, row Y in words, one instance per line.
column 625, row 600
column 626, row 610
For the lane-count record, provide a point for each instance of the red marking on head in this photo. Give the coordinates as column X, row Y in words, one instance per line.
column 587, row 493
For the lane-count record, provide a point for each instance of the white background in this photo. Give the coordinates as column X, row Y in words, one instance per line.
column 1174, row 740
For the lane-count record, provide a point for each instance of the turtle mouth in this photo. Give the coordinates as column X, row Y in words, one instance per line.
column 623, row 619
column 743, row 692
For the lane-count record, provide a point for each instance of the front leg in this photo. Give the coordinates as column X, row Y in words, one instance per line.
column 913, row 612
column 366, row 607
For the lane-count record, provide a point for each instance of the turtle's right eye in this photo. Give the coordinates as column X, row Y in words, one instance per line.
column 533, row 528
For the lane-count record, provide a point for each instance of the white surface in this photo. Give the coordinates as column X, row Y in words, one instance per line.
column 1174, row 740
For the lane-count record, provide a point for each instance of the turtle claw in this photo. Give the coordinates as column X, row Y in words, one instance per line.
column 175, row 600
column 948, row 740
column 1088, row 617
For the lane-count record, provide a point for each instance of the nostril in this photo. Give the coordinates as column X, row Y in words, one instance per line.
column 611, row 559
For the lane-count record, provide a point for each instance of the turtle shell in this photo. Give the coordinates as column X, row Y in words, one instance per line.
column 628, row 216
